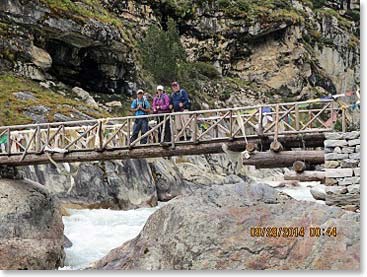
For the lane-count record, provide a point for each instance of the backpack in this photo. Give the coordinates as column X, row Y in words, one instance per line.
column 188, row 105
column 143, row 105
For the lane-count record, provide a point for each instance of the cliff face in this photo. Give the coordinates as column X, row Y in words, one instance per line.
column 263, row 50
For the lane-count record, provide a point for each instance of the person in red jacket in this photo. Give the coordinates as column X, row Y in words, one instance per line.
column 161, row 105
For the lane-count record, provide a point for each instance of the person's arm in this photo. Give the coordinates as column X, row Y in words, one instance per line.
column 155, row 104
column 166, row 102
column 134, row 107
column 185, row 97
column 147, row 107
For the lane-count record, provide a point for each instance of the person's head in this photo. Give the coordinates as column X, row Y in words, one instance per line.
column 160, row 89
column 175, row 86
column 140, row 94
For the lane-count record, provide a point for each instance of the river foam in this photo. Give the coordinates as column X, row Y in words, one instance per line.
column 95, row 232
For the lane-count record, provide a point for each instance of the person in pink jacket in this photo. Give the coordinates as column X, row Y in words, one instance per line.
column 161, row 103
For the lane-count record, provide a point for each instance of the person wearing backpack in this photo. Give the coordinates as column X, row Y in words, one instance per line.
column 161, row 103
column 180, row 103
column 140, row 106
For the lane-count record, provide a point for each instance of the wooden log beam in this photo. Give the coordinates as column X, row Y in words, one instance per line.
column 262, row 159
column 270, row 159
column 305, row 176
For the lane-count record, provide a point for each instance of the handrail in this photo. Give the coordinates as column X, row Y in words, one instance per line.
column 91, row 121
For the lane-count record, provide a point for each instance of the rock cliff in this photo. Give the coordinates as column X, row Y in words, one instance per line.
column 263, row 50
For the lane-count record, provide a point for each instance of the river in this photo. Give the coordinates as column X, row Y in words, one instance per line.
column 95, row 232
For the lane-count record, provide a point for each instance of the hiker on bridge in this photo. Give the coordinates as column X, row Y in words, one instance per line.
column 161, row 103
column 140, row 106
column 180, row 102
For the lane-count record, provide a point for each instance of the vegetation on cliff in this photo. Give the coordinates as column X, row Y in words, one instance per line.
column 12, row 108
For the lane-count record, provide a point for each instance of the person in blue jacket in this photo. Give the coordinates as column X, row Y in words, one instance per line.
column 140, row 106
column 180, row 102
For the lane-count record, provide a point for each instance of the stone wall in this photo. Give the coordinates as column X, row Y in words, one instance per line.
column 342, row 168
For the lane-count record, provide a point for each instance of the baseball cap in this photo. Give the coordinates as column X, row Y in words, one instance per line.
column 160, row 87
column 139, row 91
column 174, row 84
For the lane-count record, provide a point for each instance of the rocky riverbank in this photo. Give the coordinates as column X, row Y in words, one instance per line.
column 31, row 228
column 210, row 229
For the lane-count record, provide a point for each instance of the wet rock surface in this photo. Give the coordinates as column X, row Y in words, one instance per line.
column 31, row 229
column 210, row 229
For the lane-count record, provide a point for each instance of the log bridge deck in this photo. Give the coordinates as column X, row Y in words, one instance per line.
column 280, row 127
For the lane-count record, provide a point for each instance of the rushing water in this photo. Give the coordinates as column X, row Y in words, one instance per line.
column 95, row 232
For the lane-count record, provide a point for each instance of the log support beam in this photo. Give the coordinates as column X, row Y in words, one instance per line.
column 260, row 159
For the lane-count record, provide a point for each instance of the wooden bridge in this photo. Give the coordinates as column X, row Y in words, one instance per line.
column 280, row 127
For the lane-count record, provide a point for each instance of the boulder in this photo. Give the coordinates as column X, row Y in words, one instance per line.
column 31, row 228
column 318, row 193
column 40, row 57
column 85, row 96
column 24, row 95
column 211, row 229
column 340, row 200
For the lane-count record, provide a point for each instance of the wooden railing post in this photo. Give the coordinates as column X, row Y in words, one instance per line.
column 276, row 146
column 297, row 116
column 260, row 130
column 128, row 131
column 100, row 135
column 38, row 140
column 163, row 128
column 344, row 127
column 63, row 134
column 276, row 122
column 231, row 125
column 172, row 126
column 195, row 134
column 8, row 144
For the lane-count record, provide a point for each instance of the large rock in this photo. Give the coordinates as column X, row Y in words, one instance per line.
column 85, row 96
column 112, row 184
column 210, row 229
column 168, row 179
column 31, row 228
column 40, row 57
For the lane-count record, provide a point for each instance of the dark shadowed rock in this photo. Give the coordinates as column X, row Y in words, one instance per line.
column 31, row 229
column 210, row 229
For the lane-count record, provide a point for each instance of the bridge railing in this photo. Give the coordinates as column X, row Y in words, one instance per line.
column 182, row 128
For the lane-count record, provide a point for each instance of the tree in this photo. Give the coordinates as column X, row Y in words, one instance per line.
column 161, row 52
